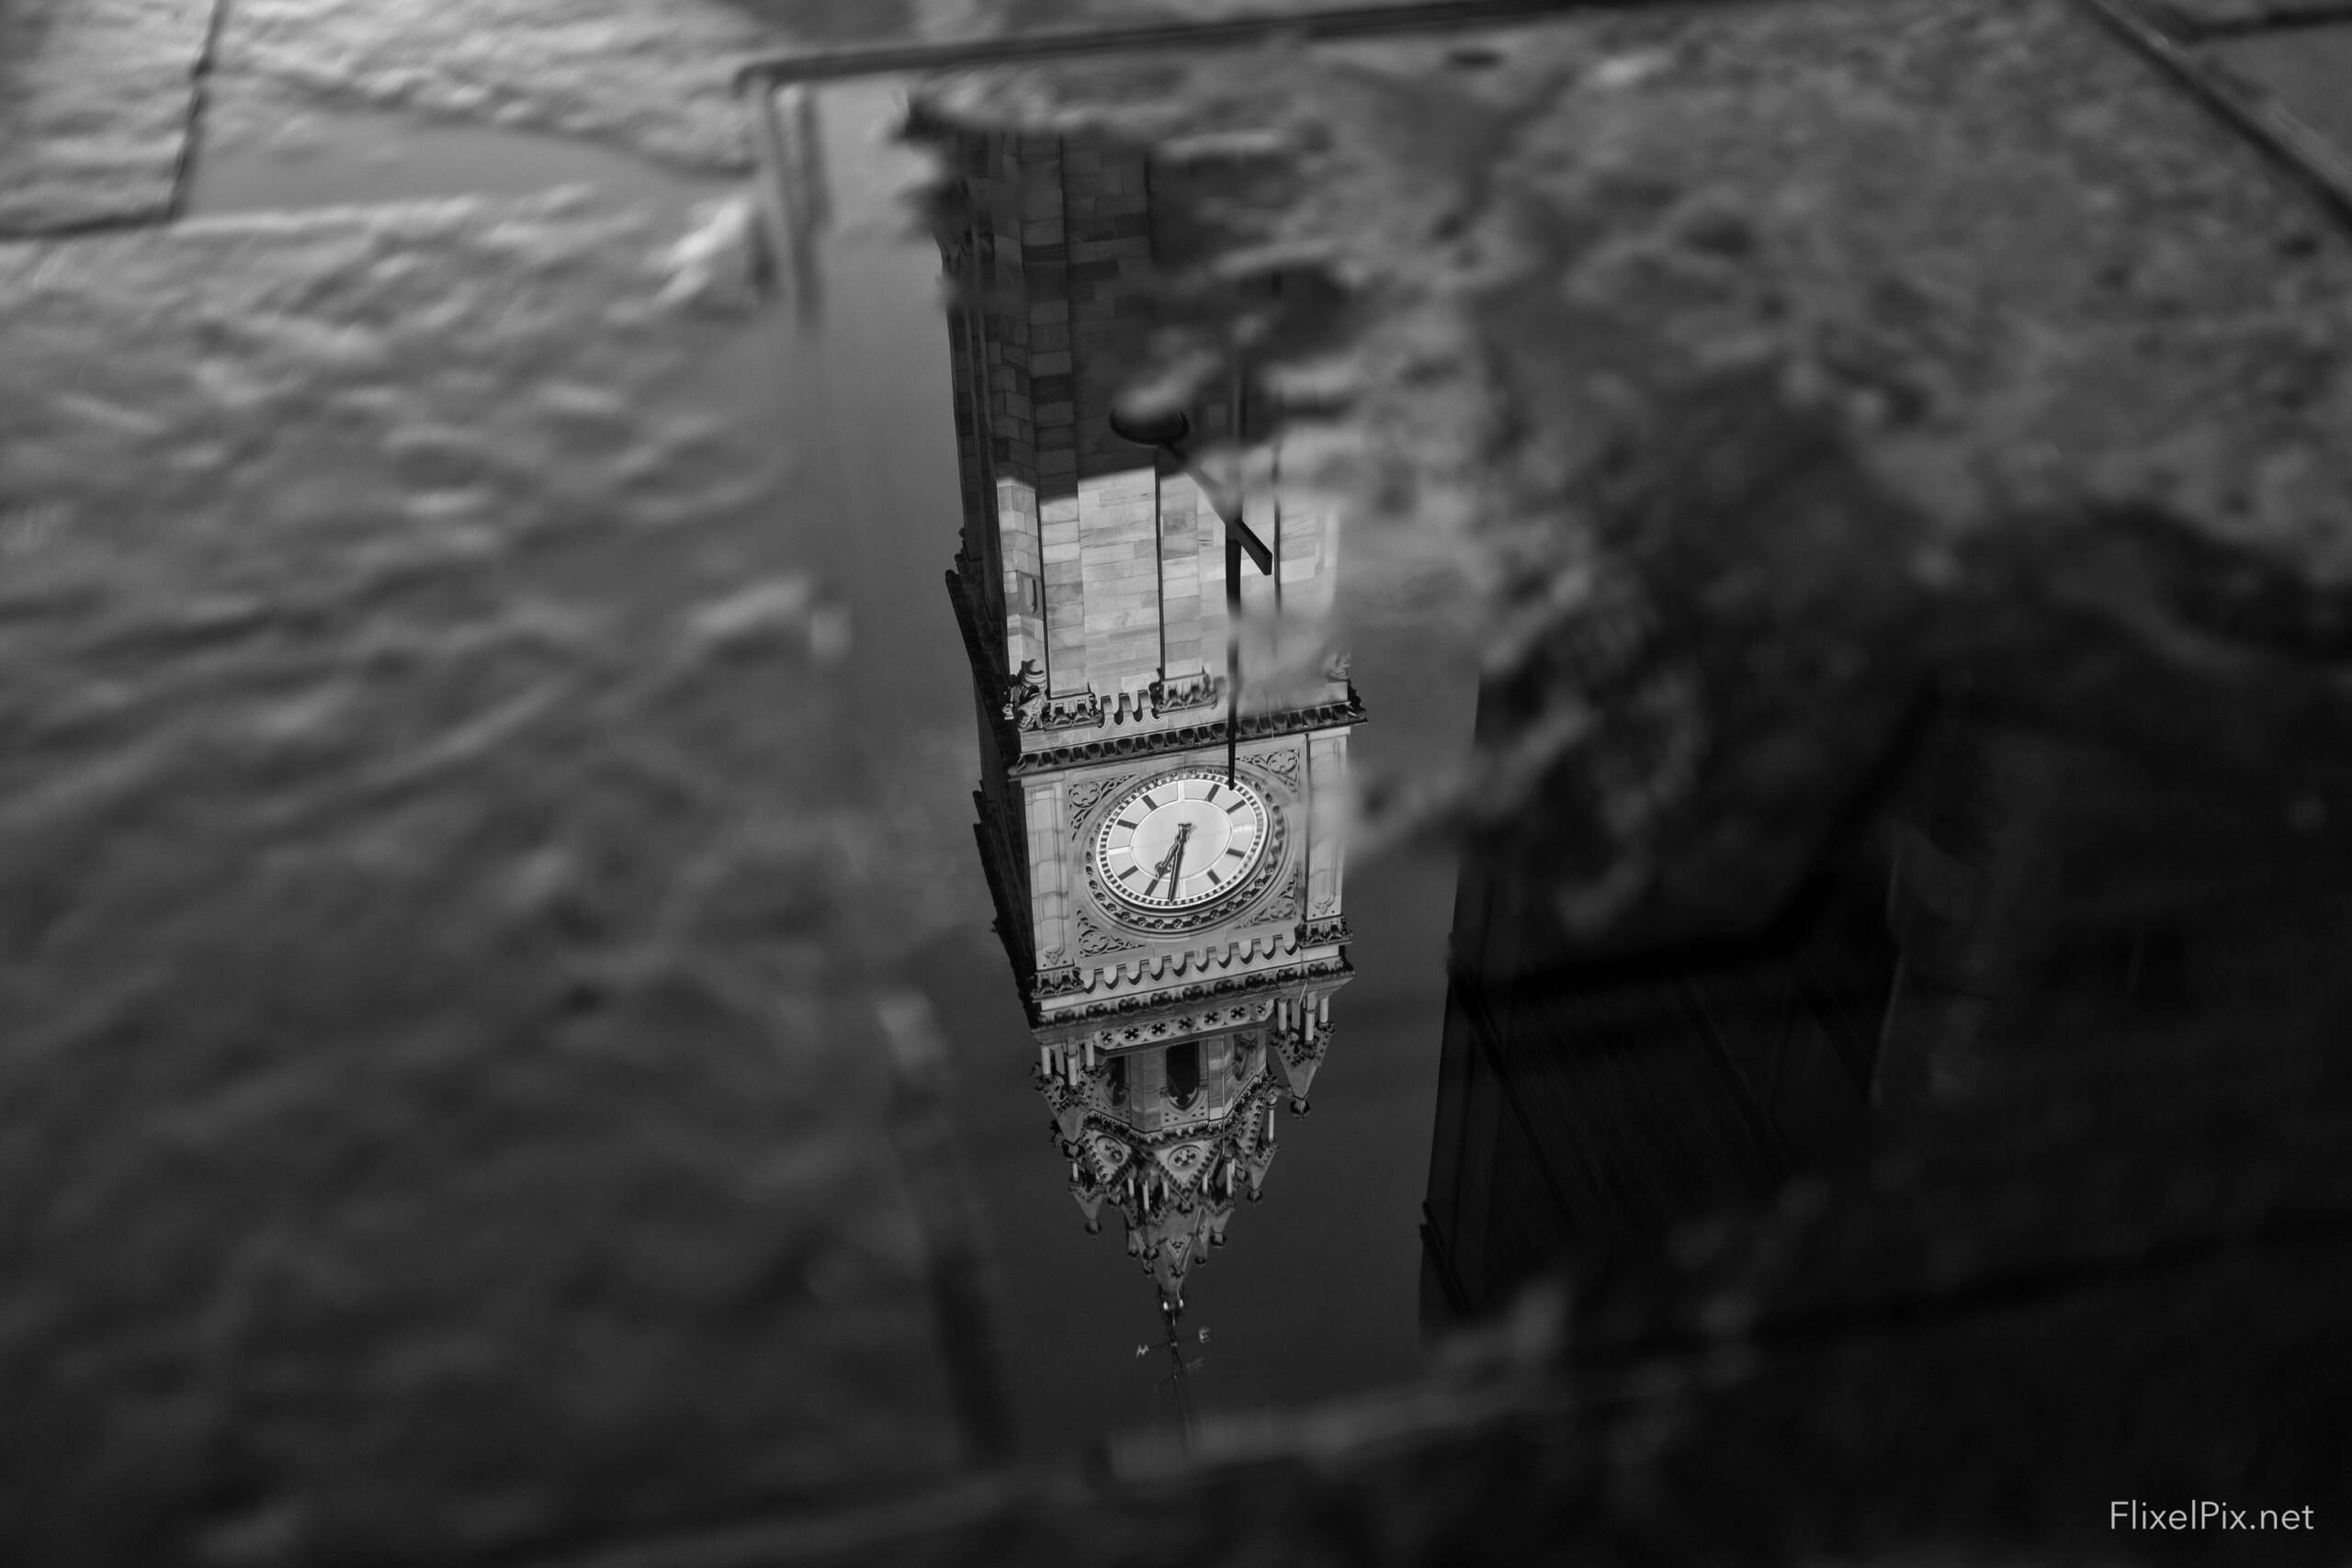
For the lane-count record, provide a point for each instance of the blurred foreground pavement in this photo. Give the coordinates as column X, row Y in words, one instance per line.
column 446, row 1087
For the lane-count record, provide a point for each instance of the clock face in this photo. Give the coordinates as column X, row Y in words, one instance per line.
column 1182, row 840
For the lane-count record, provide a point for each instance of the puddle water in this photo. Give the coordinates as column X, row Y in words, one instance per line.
column 1507, row 1083
column 1138, row 915
column 1318, row 1291
column 1139, row 920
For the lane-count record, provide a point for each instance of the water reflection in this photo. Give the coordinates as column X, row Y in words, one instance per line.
column 1589, row 1102
column 1900, row 903
column 2035, row 945
column 1160, row 802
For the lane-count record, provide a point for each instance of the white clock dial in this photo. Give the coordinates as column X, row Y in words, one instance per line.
column 1182, row 840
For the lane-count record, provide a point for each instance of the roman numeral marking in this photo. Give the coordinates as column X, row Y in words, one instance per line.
column 1149, row 804
column 1130, row 827
column 1215, row 880
column 1234, row 853
column 1129, row 872
column 1213, row 789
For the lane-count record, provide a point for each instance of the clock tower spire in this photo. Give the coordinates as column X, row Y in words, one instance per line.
column 1165, row 857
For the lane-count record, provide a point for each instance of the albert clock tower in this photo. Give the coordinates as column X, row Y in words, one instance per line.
column 1165, row 859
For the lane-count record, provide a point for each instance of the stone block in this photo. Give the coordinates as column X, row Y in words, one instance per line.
column 446, row 1138
column 98, row 98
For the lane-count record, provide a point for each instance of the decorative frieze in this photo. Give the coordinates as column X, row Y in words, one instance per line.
column 1248, row 981
column 1028, row 708
column 1282, row 764
column 1189, row 737
column 1286, row 907
column 1267, row 948
column 1085, row 794
column 1164, row 696
column 1325, row 933
column 1093, row 941
column 1079, row 710
column 1061, row 981
column 1181, row 1025
column 1184, row 692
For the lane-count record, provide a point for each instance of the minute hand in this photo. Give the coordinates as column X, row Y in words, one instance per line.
column 1171, row 864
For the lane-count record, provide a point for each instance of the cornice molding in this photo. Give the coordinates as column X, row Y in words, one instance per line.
column 1175, row 996
column 1191, row 737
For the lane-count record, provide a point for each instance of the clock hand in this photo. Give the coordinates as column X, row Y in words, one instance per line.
column 1170, row 864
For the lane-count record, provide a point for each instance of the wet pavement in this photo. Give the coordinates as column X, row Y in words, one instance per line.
column 99, row 99
column 523, row 1043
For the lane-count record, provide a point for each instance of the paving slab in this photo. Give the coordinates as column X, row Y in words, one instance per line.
column 96, row 99
column 655, row 76
column 442, row 1110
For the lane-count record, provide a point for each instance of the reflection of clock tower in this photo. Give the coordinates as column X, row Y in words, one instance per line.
column 1176, row 929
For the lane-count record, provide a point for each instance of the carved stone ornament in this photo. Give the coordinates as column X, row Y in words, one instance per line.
column 1079, row 711
column 1282, row 764
column 1085, row 794
column 1199, row 689
column 1024, row 695
column 1286, row 907
column 1324, row 932
column 1093, row 941
column 1060, row 982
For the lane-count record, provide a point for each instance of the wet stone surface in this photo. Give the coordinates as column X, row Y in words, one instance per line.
column 442, row 1108
column 445, row 1111
column 96, row 98
column 653, row 76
